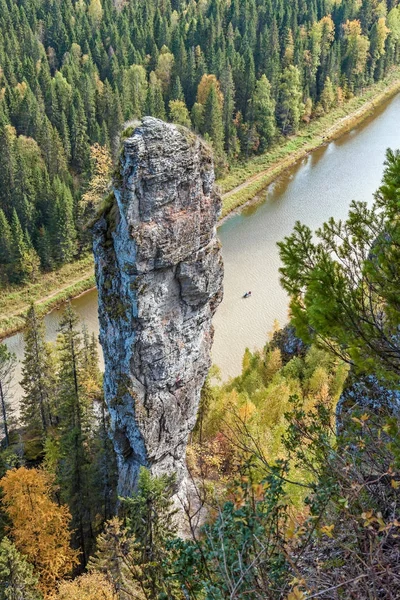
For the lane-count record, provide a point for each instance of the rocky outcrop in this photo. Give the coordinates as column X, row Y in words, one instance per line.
column 288, row 343
column 159, row 276
column 366, row 394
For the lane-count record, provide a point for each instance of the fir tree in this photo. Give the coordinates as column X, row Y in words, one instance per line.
column 20, row 271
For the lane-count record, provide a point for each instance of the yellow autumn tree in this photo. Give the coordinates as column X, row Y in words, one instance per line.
column 357, row 47
column 91, row 586
column 95, row 11
column 165, row 64
column 40, row 528
column 101, row 176
column 207, row 82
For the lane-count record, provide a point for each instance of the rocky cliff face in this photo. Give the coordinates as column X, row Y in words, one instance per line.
column 159, row 275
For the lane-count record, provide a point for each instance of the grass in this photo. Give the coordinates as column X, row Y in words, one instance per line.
column 243, row 183
column 51, row 290
column 246, row 180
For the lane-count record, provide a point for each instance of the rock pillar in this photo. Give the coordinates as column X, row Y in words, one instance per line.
column 159, row 276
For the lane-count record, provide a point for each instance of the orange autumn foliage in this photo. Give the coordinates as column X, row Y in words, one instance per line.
column 40, row 528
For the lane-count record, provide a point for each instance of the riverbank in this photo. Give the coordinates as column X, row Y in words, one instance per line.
column 240, row 187
column 246, row 180
column 51, row 290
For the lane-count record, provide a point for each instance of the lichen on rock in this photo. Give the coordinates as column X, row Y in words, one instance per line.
column 159, row 275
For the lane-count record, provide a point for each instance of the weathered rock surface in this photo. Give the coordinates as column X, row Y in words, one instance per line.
column 366, row 394
column 159, row 275
column 288, row 343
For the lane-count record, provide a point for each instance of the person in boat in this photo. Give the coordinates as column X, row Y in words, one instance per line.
column 247, row 295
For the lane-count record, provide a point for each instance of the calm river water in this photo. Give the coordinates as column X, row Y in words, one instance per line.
column 321, row 186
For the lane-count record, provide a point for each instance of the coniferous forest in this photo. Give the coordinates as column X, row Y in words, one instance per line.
column 294, row 464
column 238, row 72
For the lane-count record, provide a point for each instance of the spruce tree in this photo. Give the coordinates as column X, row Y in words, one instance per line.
column 79, row 136
column 7, row 367
column 62, row 226
column 5, row 245
column 38, row 380
column 228, row 90
column 76, row 422
column 213, row 125
column 19, row 272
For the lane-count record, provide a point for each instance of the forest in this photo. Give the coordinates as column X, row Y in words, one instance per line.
column 295, row 463
column 240, row 73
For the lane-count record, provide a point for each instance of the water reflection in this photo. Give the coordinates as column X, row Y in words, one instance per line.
column 320, row 186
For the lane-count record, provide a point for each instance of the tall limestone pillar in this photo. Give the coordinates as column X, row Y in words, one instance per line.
column 159, row 275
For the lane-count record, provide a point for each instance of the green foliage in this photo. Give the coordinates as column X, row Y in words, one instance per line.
column 73, row 72
column 290, row 106
column 150, row 520
column 178, row 113
column 247, row 414
column 38, row 381
column 17, row 580
column 213, row 125
column 75, row 409
column 65, row 423
column 241, row 553
column 344, row 285
column 7, row 366
column 264, row 113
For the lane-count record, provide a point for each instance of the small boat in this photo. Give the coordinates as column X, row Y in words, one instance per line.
column 247, row 295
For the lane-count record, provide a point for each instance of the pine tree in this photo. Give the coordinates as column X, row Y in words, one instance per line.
column 344, row 281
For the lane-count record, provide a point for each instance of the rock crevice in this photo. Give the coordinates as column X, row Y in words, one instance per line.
column 159, row 275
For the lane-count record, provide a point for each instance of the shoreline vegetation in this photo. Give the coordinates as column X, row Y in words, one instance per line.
column 239, row 188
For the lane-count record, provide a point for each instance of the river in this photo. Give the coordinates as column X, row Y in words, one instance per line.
column 320, row 186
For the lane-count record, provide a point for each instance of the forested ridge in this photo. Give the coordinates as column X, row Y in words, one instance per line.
column 239, row 73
